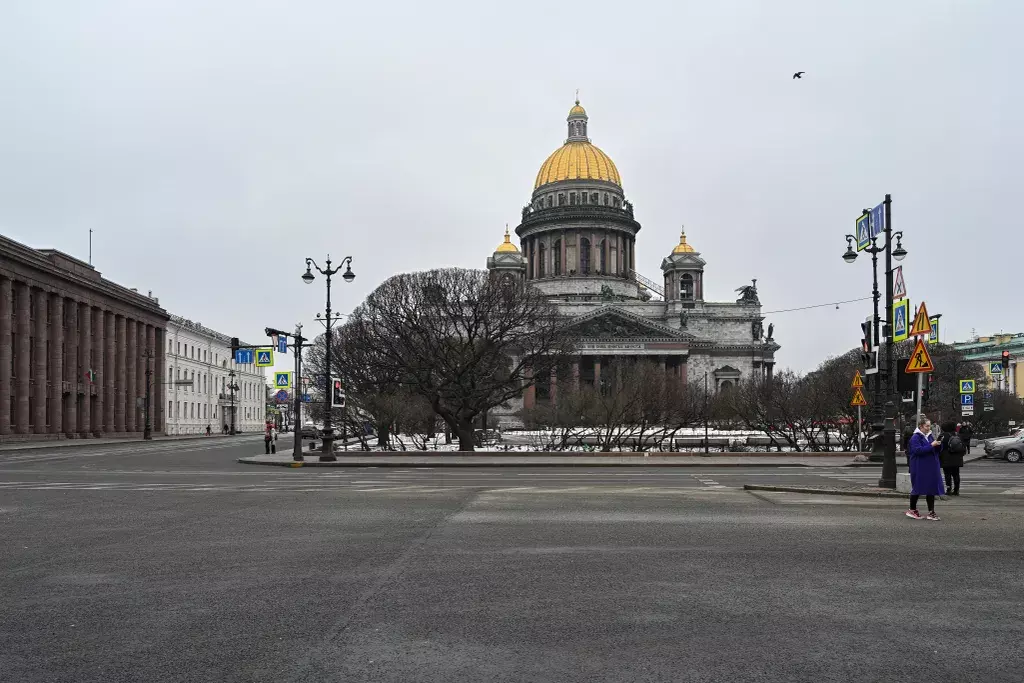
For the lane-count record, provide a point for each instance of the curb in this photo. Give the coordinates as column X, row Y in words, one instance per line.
column 591, row 464
column 14, row 446
column 823, row 492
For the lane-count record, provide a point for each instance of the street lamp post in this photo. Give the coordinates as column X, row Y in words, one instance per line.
column 147, row 431
column 883, row 426
column 233, row 388
column 308, row 277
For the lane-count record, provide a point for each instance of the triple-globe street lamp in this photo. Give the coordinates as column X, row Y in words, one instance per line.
column 308, row 277
column 883, row 426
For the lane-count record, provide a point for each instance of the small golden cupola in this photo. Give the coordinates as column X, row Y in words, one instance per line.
column 683, row 247
column 507, row 245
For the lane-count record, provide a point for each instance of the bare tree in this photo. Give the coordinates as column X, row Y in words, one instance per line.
column 462, row 340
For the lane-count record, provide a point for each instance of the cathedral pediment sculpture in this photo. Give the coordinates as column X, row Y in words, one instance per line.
column 615, row 325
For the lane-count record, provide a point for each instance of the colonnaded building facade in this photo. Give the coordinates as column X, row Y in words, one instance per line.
column 77, row 351
column 578, row 245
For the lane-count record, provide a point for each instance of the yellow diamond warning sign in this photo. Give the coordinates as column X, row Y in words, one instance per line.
column 920, row 359
column 858, row 398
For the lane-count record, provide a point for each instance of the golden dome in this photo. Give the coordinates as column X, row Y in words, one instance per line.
column 683, row 247
column 577, row 160
column 577, row 109
column 507, row 245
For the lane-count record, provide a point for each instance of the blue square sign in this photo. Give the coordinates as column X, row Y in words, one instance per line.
column 967, row 399
column 244, row 357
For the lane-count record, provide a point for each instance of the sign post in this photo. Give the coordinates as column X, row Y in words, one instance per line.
column 920, row 359
column 858, row 400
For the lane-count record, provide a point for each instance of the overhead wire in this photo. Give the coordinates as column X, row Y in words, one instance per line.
column 807, row 308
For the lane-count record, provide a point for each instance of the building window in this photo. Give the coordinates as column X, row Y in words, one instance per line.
column 178, row 353
column 558, row 257
column 606, row 199
column 170, row 374
column 170, row 407
column 177, row 409
column 572, row 198
column 615, row 202
column 551, row 201
column 601, row 259
column 540, row 262
column 561, row 199
column 593, row 198
column 686, row 287
column 584, row 256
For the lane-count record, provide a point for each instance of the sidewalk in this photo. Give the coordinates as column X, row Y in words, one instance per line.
column 113, row 441
column 364, row 459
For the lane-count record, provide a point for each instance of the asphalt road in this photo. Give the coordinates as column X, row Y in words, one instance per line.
column 172, row 562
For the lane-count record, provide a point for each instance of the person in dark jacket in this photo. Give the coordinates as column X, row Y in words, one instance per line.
column 966, row 432
column 925, row 471
column 952, row 457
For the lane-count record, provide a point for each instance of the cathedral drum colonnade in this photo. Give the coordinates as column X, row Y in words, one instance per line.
column 74, row 349
column 577, row 244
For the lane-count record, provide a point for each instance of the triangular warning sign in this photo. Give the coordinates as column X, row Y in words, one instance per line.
column 899, row 285
column 920, row 359
column 858, row 398
column 922, row 323
column 858, row 381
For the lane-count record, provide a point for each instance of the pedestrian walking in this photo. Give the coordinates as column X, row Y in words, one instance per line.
column 273, row 439
column 952, row 457
column 267, row 437
column 966, row 433
column 925, row 469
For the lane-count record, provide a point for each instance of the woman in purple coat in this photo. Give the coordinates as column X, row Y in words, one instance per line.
column 925, row 469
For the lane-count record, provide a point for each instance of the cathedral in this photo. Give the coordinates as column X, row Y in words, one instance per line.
column 577, row 244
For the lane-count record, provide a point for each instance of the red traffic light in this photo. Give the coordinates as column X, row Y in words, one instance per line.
column 1006, row 355
column 337, row 384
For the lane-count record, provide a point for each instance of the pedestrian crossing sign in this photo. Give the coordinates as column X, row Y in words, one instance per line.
column 264, row 358
column 858, row 381
column 922, row 322
column 282, row 380
column 858, row 398
column 863, row 232
column 900, row 320
column 995, row 367
column 920, row 359
column 967, row 386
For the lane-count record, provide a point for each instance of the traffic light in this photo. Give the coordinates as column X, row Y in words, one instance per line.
column 337, row 394
column 868, row 351
column 1006, row 363
column 234, row 345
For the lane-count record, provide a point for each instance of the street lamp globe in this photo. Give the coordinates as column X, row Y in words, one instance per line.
column 348, row 275
column 899, row 253
column 850, row 256
column 308, row 277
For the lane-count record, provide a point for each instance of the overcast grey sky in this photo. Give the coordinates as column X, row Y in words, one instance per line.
column 213, row 145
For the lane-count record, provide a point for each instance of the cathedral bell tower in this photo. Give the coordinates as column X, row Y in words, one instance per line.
column 684, row 274
column 507, row 261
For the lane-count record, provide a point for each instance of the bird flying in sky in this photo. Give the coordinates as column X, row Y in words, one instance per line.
column 799, row 74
